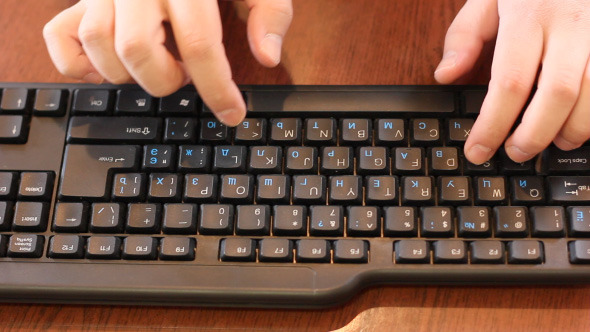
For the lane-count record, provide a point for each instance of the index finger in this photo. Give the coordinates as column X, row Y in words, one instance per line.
column 197, row 31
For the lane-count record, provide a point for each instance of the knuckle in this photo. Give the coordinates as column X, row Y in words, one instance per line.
column 564, row 87
column 93, row 33
column 132, row 50
column 512, row 82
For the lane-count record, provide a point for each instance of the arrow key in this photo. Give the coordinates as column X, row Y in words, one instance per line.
column 50, row 102
column 70, row 218
column 13, row 129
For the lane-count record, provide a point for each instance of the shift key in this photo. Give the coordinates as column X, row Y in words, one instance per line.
column 85, row 129
column 88, row 169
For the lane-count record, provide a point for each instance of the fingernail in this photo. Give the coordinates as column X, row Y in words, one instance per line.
column 516, row 154
column 449, row 60
column 229, row 117
column 271, row 46
column 479, row 154
column 94, row 78
column 564, row 144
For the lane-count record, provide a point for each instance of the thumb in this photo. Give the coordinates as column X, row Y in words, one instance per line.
column 476, row 23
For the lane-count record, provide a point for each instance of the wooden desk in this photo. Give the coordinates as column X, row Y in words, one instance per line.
column 330, row 42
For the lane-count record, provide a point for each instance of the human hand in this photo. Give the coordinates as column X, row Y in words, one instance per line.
column 122, row 41
column 550, row 36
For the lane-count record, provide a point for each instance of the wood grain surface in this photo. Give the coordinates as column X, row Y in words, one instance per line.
column 330, row 42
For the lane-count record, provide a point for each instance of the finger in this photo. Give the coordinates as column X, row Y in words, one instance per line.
column 476, row 23
column 268, row 23
column 516, row 60
column 576, row 129
column 557, row 93
column 96, row 32
column 63, row 45
column 197, row 30
column 139, row 43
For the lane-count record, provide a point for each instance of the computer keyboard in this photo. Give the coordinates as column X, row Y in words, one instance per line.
column 108, row 195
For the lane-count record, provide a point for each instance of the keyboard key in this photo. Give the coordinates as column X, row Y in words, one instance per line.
column 449, row 251
column 251, row 131
column 381, row 190
column 437, row 221
column 140, row 247
column 158, row 157
column 525, row 252
column 400, row 221
column 425, row 131
column 579, row 251
column 444, row 160
column 253, row 220
column 273, row 189
column 509, row 166
column 337, row 160
column 390, row 132
column 527, row 190
column 326, row 220
column 70, row 217
column 265, row 159
column 474, row 221
column 179, row 130
column 237, row 189
column 14, row 100
column 417, row 189
column 91, row 101
column 237, row 250
column 275, row 250
column 473, row 100
column 547, row 221
column 25, row 245
column 194, row 158
column 216, row 219
column 459, row 130
column 373, row 160
column 103, row 247
column 345, row 189
column 229, row 159
column 568, row 189
column 87, row 169
column 183, row 103
column 310, row 189
column 66, row 246
column 301, row 160
column 129, row 187
column 50, row 102
column 487, row 252
column 312, row 251
column 490, row 190
column 37, row 186
column 30, row 217
column 454, row 190
column 576, row 161
column 289, row 220
column 351, row 251
column 164, row 187
column 134, row 102
column 408, row 160
column 320, row 132
column 5, row 215
column 180, row 219
column 177, row 249
column 355, row 131
column 487, row 168
column 13, row 129
column 579, row 220
column 8, row 184
column 143, row 218
column 285, row 131
column 84, row 129
column 107, row 218
column 511, row 221
column 200, row 188
column 412, row 251
column 363, row 221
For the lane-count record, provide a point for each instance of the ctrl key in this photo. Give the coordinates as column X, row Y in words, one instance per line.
column 25, row 245
column 580, row 252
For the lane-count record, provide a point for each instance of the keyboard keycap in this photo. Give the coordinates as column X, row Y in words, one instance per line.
column 66, row 246
column 289, row 220
column 285, row 131
column 194, row 158
column 320, row 132
column 25, row 245
column 525, row 252
column 273, row 189
column 408, row 160
column 312, row 251
column 363, row 221
column 134, row 102
column 129, row 187
column 275, row 250
column 107, row 218
column 113, row 130
column 14, row 100
column 547, row 221
column 177, row 249
column 216, row 219
column 91, row 101
column 412, row 251
column 179, row 130
column 417, row 189
column 511, row 221
column 355, row 131
column 381, row 190
column 143, row 218
column 37, row 186
column 391, row 131
column 200, row 188
column 568, row 189
column 490, row 190
column 351, row 251
column 103, row 247
column 50, row 102
column 373, row 160
column 474, row 221
column 437, row 221
column 237, row 250
column 139, row 247
column 5, row 215
column 183, row 103
column 487, row 252
column 425, row 131
column 180, row 219
column 13, row 129
column 527, row 190
column 326, row 220
column 301, row 160
column 449, row 251
column 337, row 160
column 569, row 162
column 579, row 220
column 164, row 187
column 253, row 220
column 30, row 217
column 459, row 130
column 8, row 184
column 251, row 131
column 70, row 217
column 579, row 252
column 400, row 221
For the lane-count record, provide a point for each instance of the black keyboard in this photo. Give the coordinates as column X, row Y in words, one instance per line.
column 108, row 195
